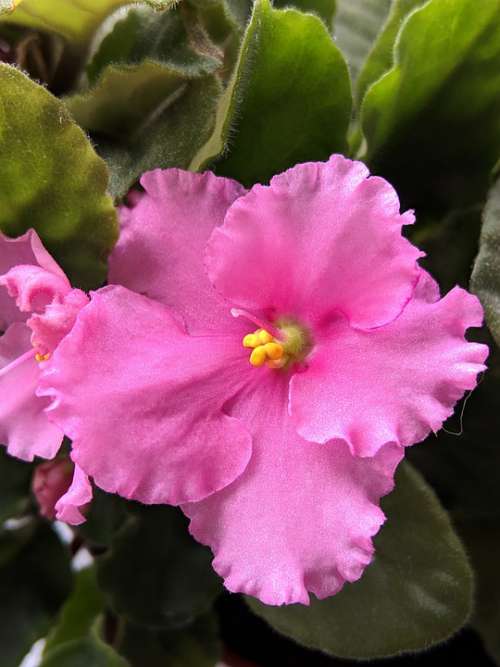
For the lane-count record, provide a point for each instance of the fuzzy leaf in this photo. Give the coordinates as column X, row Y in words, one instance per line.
column 289, row 100
column 431, row 123
column 325, row 9
column 485, row 281
column 155, row 574
column 417, row 592
column 53, row 180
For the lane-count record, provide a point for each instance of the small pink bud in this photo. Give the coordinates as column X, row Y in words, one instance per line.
column 50, row 481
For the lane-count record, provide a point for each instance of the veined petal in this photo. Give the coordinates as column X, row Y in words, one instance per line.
column 393, row 384
column 321, row 238
column 301, row 517
column 162, row 241
column 144, row 402
column 69, row 506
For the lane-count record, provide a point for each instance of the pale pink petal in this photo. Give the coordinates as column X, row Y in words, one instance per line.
column 393, row 384
column 160, row 251
column 24, row 427
column 34, row 288
column 322, row 237
column 26, row 249
column 15, row 342
column 57, row 319
column 69, row 508
column 301, row 517
column 144, row 403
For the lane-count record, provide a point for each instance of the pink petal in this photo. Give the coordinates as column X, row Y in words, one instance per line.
column 144, row 403
column 15, row 342
column 50, row 481
column 69, row 507
column 301, row 517
column 24, row 427
column 26, row 249
column 160, row 251
column 34, row 288
column 393, row 384
column 322, row 237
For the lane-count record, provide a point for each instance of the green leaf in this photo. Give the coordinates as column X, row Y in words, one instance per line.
column 325, row 9
column 417, row 592
column 431, row 123
column 79, row 612
column 34, row 582
column 381, row 57
column 53, row 180
column 194, row 646
column 15, row 478
column 482, row 539
column 357, row 24
column 75, row 20
column 170, row 137
column 75, row 640
column 89, row 652
column 106, row 514
column 155, row 573
column 485, row 281
column 289, row 100
column 167, row 38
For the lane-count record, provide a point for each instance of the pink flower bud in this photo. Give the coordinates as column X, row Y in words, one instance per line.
column 50, row 481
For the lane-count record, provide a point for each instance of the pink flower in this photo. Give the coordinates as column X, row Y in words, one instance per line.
column 62, row 490
column 280, row 463
column 37, row 308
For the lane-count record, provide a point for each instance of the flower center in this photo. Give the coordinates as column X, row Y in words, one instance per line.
column 281, row 351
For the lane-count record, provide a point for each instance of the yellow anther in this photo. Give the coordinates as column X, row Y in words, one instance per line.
column 251, row 340
column 264, row 336
column 274, row 350
column 42, row 357
column 258, row 356
column 278, row 363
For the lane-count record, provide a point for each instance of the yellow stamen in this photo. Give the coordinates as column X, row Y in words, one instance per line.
column 264, row 336
column 258, row 356
column 42, row 357
column 251, row 340
column 274, row 350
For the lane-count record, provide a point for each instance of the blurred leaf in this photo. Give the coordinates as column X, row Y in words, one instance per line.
column 15, row 478
column 381, row 56
column 155, row 573
column 106, row 514
column 79, row 612
column 357, row 25
column 431, row 123
column 89, row 652
column 75, row 639
column 485, row 281
column 289, row 100
column 325, row 9
column 53, row 180
column 194, row 646
column 34, row 583
column 76, row 20
column 482, row 539
column 417, row 592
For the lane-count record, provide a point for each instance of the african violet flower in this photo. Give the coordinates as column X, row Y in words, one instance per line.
column 37, row 308
column 61, row 490
column 279, row 349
